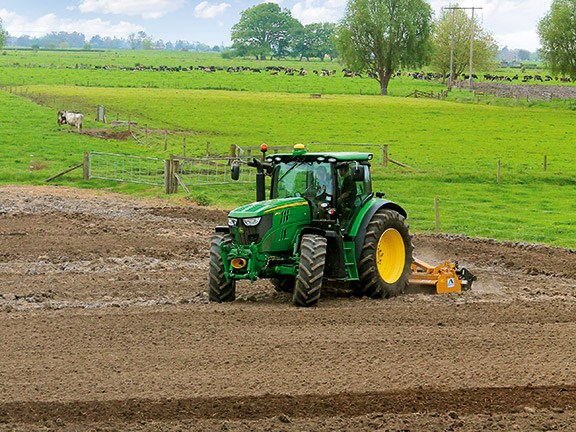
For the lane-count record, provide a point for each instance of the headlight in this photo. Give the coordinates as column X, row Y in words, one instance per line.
column 252, row 221
column 232, row 222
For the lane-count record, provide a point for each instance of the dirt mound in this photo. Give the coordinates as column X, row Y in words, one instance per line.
column 105, row 325
column 120, row 135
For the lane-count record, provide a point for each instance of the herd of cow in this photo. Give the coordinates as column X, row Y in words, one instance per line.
column 488, row 77
column 272, row 70
column 347, row 73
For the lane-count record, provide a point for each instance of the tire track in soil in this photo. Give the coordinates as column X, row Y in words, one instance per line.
column 499, row 400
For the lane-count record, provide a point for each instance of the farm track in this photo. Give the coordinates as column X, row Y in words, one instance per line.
column 105, row 325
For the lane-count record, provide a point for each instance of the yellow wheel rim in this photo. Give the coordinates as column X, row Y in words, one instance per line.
column 390, row 255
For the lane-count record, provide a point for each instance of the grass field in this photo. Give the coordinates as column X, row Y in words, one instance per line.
column 453, row 148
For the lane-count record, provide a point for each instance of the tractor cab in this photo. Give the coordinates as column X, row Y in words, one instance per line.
column 335, row 185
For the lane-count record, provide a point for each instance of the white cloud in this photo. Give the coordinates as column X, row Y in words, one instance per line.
column 144, row 8
column 17, row 25
column 524, row 39
column 207, row 10
column 315, row 11
column 512, row 22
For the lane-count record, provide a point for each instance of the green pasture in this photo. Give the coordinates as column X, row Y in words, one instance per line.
column 85, row 68
column 25, row 68
column 453, row 149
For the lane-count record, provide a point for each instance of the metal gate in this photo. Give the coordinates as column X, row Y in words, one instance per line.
column 127, row 168
column 210, row 171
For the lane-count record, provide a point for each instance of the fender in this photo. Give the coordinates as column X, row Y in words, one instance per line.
column 358, row 230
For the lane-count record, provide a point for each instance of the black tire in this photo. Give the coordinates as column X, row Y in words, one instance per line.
column 310, row 271
column 219, row 290
column 283, row 284
column 385, row 261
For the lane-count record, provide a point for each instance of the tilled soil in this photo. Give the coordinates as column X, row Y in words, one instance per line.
column 105, row 325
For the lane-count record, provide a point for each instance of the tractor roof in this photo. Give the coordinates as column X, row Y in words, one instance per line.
column 332, row 157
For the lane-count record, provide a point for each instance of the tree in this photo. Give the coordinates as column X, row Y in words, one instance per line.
column 264, row 30
column 381, row 36
column 524, row 55
column 3, row 34
column 326, row 40
column 303, row 41
column 139, row 40
column 96, row 41
column 315, row 40
column 456, row 22
column 557, row 31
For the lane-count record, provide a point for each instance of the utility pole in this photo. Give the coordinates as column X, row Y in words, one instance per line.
column 451, row 77
column 472, row 31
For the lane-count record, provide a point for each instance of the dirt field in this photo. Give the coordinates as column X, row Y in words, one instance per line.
column 105, row 325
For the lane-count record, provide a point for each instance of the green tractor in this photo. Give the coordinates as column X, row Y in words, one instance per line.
column 322, row 222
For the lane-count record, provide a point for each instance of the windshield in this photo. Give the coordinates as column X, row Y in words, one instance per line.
column 310, row 180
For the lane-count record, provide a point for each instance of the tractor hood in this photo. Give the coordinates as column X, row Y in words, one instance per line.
column 261, row 208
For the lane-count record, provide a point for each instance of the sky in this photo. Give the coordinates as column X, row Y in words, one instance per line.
column 512, row 22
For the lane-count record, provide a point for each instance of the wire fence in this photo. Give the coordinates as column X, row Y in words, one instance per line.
column 127, row 168
column 210, row 171
column 178, row 170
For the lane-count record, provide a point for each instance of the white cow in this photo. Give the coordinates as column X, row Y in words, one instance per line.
column 71, row 119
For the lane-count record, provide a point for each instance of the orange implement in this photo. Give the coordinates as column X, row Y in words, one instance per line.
column 446, row 277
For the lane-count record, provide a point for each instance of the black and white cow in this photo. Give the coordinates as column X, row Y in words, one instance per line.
column 71, row 119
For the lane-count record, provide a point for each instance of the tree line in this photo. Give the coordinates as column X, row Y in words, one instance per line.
column 76, row 40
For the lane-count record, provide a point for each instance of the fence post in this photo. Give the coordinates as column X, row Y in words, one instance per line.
column 384, row 155
column 165, row 140
column 173, row 173
column 208, row 149
column 167, row 177
column 545, row 162
column 437, row 215
column 498, row 169
column 86, row 166
column 232, row 150
column 184, row 146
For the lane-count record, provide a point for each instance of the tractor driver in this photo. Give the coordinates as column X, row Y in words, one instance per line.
column 347, row 194
column 323, row 190
column 324, row 183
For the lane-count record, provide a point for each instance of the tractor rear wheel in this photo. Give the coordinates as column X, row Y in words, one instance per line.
column 386, row 257
column 311, row 270
column 219, row 289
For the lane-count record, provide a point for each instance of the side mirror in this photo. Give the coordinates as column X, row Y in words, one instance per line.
column 235, row 174
column 358, row 173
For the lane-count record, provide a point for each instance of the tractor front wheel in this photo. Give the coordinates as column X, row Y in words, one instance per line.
column 386, row 257
column 310, row 271
column 219, row 289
